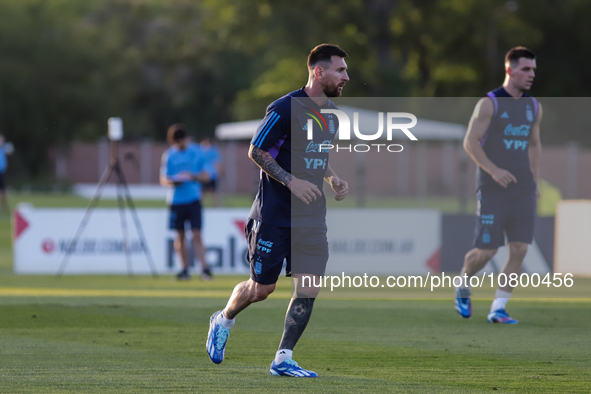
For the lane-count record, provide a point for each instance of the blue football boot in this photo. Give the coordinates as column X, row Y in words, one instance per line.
column 216, row 339
column 291, row 368
column 501, row 316
column 463, row 302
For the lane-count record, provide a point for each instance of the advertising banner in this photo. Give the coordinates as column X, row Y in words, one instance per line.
column 573, row 233
column 393, row 241
column 41, row 238
column 383, row 241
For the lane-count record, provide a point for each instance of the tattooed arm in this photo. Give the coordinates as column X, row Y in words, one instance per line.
column 264, row 160
column 304, row 190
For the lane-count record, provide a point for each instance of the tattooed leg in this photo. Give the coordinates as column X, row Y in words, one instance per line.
column 296, row 319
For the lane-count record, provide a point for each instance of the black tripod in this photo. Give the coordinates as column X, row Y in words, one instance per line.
column 123, row 196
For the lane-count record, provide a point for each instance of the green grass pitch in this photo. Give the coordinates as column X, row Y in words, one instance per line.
column 55, row 337
column 113, row 334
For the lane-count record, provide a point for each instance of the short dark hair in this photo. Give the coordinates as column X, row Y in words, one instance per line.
column 323, row 53
column 176, row 132
column 517, row 53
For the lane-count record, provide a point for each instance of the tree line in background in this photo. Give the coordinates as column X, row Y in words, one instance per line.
column 68, row 65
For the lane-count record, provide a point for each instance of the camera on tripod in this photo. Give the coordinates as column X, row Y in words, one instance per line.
column 115, row 132
column 124, row 200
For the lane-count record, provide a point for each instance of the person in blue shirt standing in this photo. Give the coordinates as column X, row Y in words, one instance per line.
column 214, row 159
column 184, row 168
column 4, row 149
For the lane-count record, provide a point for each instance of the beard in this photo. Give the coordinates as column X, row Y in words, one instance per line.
column 331, row 91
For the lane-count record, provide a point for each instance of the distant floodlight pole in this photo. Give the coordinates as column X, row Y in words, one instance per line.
column 115, row 134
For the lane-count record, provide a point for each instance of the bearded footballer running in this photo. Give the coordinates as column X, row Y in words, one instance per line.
column 288, row 217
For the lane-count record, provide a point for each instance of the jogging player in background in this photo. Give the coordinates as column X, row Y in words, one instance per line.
column 503, row 139
column 214, row 159
column 183, row 168
column 288, row 217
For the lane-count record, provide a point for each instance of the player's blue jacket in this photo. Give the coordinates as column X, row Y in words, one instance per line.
column 176, row 161
column 213, row 157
